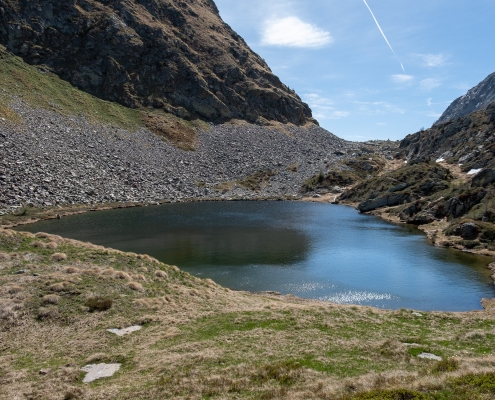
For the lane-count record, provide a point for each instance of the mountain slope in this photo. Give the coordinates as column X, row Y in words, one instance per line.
column 174, row 55
column 477, row 98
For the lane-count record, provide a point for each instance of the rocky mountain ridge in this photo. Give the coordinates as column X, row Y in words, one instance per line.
column 467, row 140
column 178, row 56
column 477, row 98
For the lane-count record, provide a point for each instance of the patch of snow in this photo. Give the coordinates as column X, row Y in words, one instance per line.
column 417, row 314
column 98, row 371
column 474, row 171
column 441, row 159
column 125, row 331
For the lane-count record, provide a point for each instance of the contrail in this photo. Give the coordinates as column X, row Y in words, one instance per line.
column 389, row 45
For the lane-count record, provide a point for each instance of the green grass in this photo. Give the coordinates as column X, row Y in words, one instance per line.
column 46, row 90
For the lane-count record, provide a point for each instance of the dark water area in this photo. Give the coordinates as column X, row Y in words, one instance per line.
column 311, row 250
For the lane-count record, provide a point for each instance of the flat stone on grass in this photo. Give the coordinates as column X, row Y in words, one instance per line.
column 429, row 356
column 125, row 331
column 97, row 371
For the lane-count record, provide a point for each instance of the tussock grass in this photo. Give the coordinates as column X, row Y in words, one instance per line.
column 59, row 257
column 99, row 304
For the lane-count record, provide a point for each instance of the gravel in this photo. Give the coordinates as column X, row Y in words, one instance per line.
column 52, row 160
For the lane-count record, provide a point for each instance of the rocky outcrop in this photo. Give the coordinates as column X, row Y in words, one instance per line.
column 174, row 55
column 468, row 140
column 384, row 201
column 477, row 98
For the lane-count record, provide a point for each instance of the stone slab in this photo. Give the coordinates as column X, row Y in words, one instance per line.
column 98, row 371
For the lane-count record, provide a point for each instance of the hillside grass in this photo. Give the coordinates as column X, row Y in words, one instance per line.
column 58, row 297
column 40, row 88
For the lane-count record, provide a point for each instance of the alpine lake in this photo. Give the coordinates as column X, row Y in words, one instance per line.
column 311, row 250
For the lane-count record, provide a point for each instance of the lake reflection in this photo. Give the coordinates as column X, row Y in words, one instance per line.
column 318, row 251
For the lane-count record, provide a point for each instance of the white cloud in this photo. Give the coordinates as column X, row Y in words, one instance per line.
column 292, row 32
column 402, row 78
column 323, row 108
column 429, row 84
column 433, row 60
column 379, row 107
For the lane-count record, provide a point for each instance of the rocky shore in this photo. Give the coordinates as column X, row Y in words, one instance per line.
column 50, row 160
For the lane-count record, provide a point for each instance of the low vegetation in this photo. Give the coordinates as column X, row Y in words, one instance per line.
column 200, row 340
column 257, row 180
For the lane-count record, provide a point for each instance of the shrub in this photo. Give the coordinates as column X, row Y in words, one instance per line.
column 396, row 394
column 99, row 303
column 488, row 235
column 485, row 383
column 284, row 372
column 45, row 313
column 446, row 365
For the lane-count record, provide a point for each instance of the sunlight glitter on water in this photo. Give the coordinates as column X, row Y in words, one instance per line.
column 354, row 297
column 307, row 287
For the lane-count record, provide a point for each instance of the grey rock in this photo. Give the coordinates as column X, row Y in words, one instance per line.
column 98, row 371
column 399, row 187
column 484, row 178
column 384, row 201
column 429, row 356
column 468, row 231
column 125, row 331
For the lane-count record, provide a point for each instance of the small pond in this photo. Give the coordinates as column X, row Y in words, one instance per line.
column 311, row 250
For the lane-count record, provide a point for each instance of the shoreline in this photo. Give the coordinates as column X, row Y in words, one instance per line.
column 488, row 304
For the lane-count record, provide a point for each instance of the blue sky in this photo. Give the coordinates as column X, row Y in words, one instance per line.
column 335, row 57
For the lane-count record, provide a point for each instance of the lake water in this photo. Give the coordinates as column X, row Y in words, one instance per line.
column 311, row 250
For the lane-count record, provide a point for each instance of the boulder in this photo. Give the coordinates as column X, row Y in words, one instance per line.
column 468, row 231
column 484, row 178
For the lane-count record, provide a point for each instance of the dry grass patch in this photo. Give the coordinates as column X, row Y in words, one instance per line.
column 14, row 289
column 122, row 275
column 172, row 129
column 161, row 274
column 59, row 257
column 52, row 245
column 135, row 286
column 60, row 286
column 47, row 312
column 51, row 299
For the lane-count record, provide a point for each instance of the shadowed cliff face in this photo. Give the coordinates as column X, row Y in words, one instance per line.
column 175, row 55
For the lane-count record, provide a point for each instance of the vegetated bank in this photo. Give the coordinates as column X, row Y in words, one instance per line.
column 59, row 297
